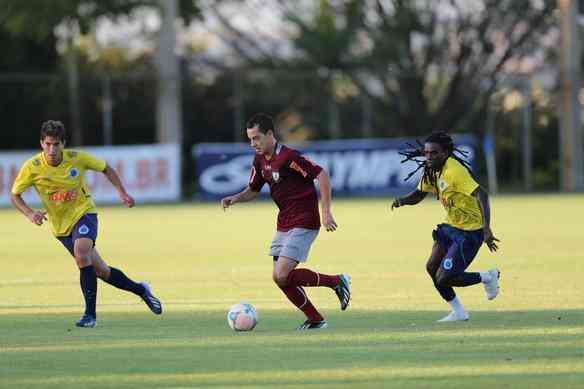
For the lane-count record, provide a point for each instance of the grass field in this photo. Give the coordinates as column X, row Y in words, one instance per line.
column 201, row 260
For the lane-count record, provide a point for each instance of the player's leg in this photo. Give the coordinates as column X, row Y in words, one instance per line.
column 297, row 246
column 442, row 241
column 464, row 249
column 88, row 280
column 463, row 253
column 296, row 294
column 117, row 278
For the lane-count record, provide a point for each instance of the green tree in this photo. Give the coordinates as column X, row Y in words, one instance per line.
column 424, row 64
column 38, row 20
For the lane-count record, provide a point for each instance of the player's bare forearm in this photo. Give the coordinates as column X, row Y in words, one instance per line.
column 37, row 217
column 324, row 184
column 483, row 199
column 246, row 195
column 412, row 198
column 242, row 197
column 114, row 178
column 21, row 205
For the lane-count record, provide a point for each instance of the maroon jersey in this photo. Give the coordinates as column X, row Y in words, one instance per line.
column 291, row 180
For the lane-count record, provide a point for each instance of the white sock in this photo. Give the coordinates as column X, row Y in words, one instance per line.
column 485, row 277
column 456, row 305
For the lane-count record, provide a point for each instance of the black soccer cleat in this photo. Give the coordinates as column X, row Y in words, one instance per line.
column 86, row 321
column 313, row 325
column 343, row 291
column 151, row 301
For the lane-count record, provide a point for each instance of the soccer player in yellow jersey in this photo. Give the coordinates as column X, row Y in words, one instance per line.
column 467, row 226
column 57, row 176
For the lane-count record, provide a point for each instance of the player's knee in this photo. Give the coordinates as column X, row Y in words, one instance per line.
column 280, row 279
column 82, row 259
column 443, row 279
column 430, row 269
column 102, row 273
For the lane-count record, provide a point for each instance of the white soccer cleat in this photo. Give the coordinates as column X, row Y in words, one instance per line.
column 491, row 283
column 454, row 316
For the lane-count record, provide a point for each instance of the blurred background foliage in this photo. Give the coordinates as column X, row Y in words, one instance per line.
column 325, row 70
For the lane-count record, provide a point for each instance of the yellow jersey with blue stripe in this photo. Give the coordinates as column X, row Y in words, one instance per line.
column 455, row 188
column 61, row 188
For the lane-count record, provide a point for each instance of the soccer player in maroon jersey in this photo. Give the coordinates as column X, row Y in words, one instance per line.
column 290, row 177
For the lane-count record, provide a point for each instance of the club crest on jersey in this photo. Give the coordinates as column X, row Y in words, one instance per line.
column 83, row 230
column 73, row 173
column 275, row 176
column 442, row 185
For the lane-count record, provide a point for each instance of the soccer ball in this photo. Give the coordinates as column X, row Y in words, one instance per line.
column 242, row 317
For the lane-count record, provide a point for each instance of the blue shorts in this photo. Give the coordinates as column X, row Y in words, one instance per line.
column 86, row 227
column 460, row 246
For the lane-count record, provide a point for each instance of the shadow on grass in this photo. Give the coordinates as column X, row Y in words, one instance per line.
column 360, row 349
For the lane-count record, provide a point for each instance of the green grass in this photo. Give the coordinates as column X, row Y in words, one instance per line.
column 201, row 260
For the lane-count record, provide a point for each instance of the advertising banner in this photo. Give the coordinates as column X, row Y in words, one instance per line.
column 149, row 172
column 363, row 167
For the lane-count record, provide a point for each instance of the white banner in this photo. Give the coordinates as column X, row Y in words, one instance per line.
column 149, row 173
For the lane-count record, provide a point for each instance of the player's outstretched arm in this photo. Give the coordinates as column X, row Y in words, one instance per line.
column 36, row 217
column 411, row 199
column 114, row 178
column 242, row 197
column 324, row 182
column 483, row 199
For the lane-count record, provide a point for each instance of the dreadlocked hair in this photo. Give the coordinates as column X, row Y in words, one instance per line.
column 415, row 153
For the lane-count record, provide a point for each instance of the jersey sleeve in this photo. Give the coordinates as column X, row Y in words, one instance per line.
column 303, row 166
column 23, row 180
column 256, row 180
column 463, row 181
column 90, row 162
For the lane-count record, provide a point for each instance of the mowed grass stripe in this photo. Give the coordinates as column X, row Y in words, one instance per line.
column 204, row 260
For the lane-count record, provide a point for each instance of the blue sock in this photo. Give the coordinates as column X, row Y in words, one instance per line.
column 118, row 279
column 88, row 281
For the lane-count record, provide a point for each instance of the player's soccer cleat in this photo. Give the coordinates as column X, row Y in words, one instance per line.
column 150, row 300
column 454, row 316
column 86, row 321
column 313, row 325
column 343, row 291
column 491, row 284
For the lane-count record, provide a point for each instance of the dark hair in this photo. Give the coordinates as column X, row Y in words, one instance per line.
column 53, row 128
column 431, row 175
column 263, row 122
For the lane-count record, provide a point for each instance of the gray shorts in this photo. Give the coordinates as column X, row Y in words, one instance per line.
column 294, row 244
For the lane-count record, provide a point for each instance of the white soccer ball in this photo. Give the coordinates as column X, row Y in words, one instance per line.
column 242, row 317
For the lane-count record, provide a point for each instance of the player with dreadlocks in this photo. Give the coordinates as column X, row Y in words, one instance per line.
column 468, row 223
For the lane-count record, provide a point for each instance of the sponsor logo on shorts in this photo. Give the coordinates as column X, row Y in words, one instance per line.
column 447, row 264
column 83, row 230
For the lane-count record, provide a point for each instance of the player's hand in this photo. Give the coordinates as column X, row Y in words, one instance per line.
column 490, row 240
column 127, row 200
column 328, row 221
column 228, row 201
column 396, row 204
column 37, row 217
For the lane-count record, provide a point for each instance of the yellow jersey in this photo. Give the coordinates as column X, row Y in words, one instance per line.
column 62, row 188
column 455, row 188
